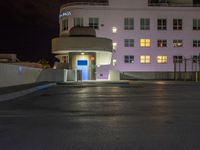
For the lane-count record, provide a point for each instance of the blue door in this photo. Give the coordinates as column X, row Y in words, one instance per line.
column 83, row 66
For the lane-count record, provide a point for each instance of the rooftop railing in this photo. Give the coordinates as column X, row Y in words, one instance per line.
column 106, row 3
column 173, row 5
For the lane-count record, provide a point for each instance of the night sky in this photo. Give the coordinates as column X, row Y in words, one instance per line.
column 27, row 27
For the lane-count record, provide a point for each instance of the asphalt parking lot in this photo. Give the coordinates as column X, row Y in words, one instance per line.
column 138, row 116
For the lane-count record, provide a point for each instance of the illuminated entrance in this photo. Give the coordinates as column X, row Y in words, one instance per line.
column 83, row 66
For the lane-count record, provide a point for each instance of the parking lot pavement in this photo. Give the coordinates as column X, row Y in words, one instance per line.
column 137, row 116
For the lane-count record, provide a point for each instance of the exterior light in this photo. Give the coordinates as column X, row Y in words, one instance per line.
column 92, row 58
column 114, row 62
column 114, row 46
column 114, row 29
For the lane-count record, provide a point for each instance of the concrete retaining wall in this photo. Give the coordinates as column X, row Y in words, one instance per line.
column 15, row 75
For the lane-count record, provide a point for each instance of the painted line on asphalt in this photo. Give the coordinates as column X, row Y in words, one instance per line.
column 17, row 94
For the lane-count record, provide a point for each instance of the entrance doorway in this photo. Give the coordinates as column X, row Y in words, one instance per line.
column 83, row 66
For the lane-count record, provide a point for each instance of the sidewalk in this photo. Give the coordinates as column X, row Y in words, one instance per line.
column 8, row 93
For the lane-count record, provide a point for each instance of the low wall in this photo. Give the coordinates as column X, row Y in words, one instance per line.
column 57, row 75
column 157, row 76
column 11, row 75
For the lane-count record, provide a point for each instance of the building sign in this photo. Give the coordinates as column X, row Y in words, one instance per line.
column 65, row 14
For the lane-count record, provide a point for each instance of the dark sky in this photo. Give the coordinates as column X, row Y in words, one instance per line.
column 27, row 27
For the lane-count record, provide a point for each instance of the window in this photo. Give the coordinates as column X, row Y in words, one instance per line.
column 195, row 59
column 196, row 43
column 178, row 59
column 162, row 24
column 94, row 23
column 162, row 59
column 129, row 43
column 129, row 59
column 64, row 24
column 162, row 43
column 78, row 22
column 145, row 24
column 128, row 23
column 177, row 43
column 145, row 43
column 177, row 24
column 196, row 24
column 144, row 59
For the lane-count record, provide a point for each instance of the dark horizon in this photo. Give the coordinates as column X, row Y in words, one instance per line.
column 27, row 28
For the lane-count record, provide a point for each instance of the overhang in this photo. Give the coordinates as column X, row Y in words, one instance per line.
column 76, row 44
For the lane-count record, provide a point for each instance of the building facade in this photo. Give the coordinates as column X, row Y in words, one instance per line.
column 150, row 38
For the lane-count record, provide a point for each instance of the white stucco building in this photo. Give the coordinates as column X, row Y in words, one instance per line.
column 150, row 38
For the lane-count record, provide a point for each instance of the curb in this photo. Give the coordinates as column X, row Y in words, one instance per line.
column 17, row 94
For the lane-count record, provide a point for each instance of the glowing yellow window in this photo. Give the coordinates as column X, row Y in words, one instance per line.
column 144, row 59
column 162, row 59
column 145, row 43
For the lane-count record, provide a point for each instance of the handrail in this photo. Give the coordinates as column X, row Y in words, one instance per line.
column 86, row 3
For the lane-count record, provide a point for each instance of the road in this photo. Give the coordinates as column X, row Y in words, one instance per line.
column 141, row 116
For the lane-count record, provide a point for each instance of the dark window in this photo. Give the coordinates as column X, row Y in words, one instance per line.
column 145, row 24
column 94, row 23
column 162, row 24
column 196, row 43
column 162, row 43
column 177, row 24
column 128, row 23
column 129, row 59
column 178, row 59
column 196, row 24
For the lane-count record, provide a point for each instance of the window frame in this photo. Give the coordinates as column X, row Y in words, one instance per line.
column 177, row 24
column 176, row 43
column 128, row 42
column 129, row 59
column 162, row 59
column 145, row 43
column 161, row 24
column 145, row 59
column 64, row 24
column 144, row 23
column 94, row 22
column 128, row 23
column 78, row 22
column 161, row 43
column 196, row 24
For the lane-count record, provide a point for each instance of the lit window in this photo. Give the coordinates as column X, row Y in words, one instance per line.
column 114, row 46
column 128, row 42
column 196, row 24
column 162, row 43
column 78, row 22
column 162, row 59
column 114, row 29
column 128, row 23
column 129, row 59
column 64, row 24
column 94, row 23
column 145, row 43
column 145, row 24
column 114, row 62
column 177, row 24
column 144, row 59
column 177, row 43
column 196, row 43
column 162, row 24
